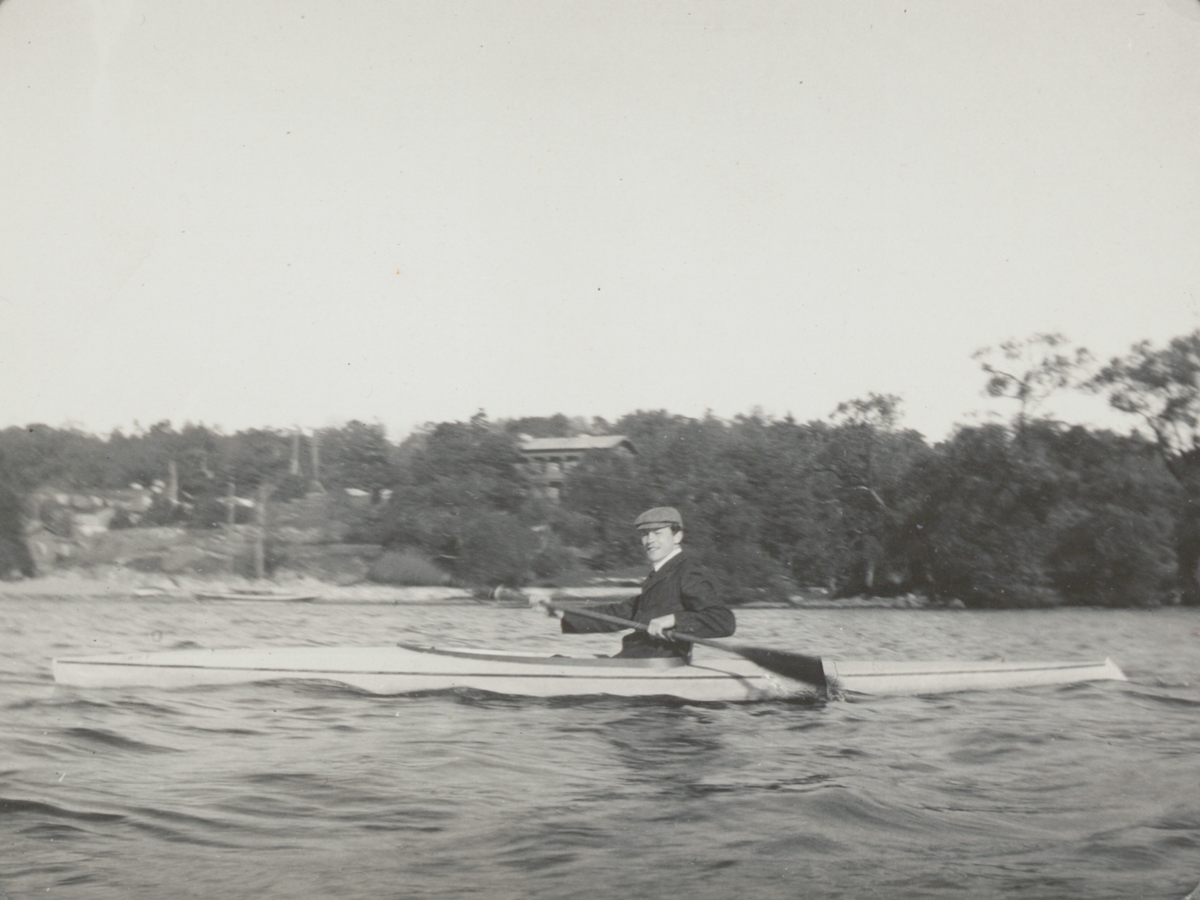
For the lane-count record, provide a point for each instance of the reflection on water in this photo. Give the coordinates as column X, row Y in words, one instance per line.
column 313, row 790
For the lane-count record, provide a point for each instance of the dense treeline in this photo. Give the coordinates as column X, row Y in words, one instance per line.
column 1035, row 512
column 1064, row 516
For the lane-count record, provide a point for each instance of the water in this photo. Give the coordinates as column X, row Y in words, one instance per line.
column 312, row 791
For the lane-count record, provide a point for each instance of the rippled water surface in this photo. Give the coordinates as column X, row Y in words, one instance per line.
column 311, row 790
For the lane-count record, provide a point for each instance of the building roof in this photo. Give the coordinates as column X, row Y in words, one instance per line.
column 575, row 444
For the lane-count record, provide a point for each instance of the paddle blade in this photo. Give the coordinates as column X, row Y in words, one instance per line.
column 795, row 666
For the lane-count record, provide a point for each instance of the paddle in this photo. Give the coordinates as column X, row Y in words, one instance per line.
column 795, row 666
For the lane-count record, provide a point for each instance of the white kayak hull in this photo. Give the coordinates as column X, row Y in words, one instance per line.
column 407, row 669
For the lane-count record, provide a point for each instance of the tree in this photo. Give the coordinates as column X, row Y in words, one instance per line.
column 39, row 455
column 867, row 458
column 1111, row 541
column 14, row 553
column 1162, row 388
column 980, row 529
column 791, row 494
column 462, row 497
column 1029, row 371
column 555, row 426
column 356, row 455
column 878, row 411
column 600, row 498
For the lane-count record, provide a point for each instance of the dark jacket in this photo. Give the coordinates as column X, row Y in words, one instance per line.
column 680, row 587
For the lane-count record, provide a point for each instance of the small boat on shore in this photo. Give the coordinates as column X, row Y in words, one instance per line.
column 250, row 594
column 408, row 668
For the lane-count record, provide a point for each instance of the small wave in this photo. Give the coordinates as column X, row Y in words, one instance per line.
column 10, row 806
column 185, row 828
column 237, row 732
column 55, row 831
column 69, row 702
column 110, row 740
column 741, row 787
column 1186, row 821
column 1158, row 696
column 291, row 779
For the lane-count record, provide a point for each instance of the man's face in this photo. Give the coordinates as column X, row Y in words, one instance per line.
column 660, row 542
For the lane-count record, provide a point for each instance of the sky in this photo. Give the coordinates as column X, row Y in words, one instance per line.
column 294, row 214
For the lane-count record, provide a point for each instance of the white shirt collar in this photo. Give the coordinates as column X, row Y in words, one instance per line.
column 666, row 559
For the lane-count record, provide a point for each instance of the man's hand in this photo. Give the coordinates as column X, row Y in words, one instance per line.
column 658, row 627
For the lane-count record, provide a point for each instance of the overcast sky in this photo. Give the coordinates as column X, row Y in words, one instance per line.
column 286, row 213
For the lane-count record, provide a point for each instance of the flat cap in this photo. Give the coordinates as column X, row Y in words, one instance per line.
column 658, row 517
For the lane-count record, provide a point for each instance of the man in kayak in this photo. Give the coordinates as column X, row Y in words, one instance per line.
column 677, row 595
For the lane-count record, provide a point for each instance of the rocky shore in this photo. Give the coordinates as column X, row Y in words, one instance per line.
column 174, row 562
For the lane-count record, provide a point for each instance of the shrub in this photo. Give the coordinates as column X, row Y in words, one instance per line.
column 245, row 564
column 290, row 487
column 496, row 549
column 123, row 519
column 406, row 567
column 575, row 529
column 14, row 554
column 163, row 513
column 554, row 559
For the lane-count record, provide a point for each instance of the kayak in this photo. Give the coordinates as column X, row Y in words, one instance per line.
column 274, row 596
column 407, row 668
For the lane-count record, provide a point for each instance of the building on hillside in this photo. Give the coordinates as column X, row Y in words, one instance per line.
column 85, row 513
column 550, row 459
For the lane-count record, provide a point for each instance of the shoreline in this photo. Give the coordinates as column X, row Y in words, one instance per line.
column 114, row 584
column 123, row 583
